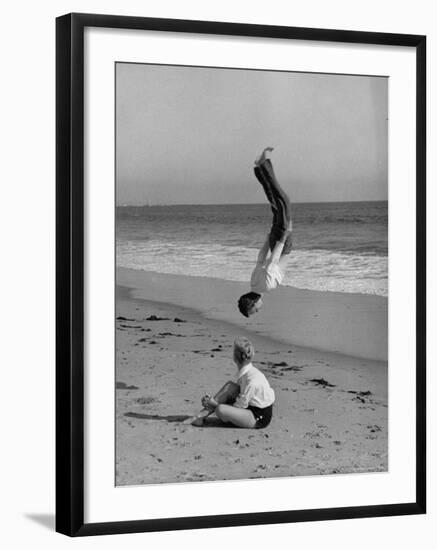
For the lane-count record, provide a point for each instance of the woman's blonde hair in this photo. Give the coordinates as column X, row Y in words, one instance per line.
column 243, row 350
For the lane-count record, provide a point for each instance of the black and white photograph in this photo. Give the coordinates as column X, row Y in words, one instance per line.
column 251, row 312
column 215, row 234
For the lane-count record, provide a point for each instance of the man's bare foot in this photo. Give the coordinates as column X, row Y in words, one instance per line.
column 263, row 156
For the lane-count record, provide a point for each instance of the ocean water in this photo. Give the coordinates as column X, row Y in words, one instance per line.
column 341, row 247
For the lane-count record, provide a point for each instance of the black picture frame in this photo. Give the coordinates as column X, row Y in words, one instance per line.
column 70, row 273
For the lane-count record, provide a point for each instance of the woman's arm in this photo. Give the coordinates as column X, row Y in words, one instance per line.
column 246, row 392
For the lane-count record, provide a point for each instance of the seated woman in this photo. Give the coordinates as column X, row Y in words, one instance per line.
column 253, row 406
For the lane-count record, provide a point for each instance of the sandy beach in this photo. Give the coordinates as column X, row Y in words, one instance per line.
column 324, row 354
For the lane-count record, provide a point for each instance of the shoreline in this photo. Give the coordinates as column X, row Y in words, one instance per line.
column 349, row 324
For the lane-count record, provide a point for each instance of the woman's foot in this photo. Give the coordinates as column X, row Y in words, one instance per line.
column 198, row 422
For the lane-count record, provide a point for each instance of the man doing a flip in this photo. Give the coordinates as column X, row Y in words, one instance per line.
column 270, row 269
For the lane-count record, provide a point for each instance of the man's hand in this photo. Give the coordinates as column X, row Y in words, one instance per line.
column 287, row 232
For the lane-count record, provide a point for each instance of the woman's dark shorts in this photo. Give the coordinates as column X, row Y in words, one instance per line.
column 262, row 416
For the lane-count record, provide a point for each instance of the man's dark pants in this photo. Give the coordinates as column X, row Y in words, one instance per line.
column 280, row 204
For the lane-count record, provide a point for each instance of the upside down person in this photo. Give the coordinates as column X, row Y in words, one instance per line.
column 271, row 262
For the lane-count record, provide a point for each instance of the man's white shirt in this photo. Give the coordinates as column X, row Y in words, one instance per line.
column 266, row 276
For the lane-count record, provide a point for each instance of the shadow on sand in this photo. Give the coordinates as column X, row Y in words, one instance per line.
column 168, row 418
column 210, row 422
column 214, row 422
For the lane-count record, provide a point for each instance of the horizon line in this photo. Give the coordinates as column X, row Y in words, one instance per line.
column 241, row 203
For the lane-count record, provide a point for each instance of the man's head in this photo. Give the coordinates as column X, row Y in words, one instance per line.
column 243, row 351
column 250, row 303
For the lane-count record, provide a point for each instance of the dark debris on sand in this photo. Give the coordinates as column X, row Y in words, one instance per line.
column 322, row 382
column 146, row 400
column 124, row 386
column 156, row 318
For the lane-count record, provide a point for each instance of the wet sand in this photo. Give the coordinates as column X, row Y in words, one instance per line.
column 351, row 324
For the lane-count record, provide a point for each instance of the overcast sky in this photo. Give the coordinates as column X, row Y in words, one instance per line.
column 189, row 135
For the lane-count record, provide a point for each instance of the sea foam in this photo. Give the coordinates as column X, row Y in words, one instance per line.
column 307, row 269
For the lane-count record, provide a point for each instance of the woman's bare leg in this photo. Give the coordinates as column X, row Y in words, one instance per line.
column 243, row 418
column 226, row 394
